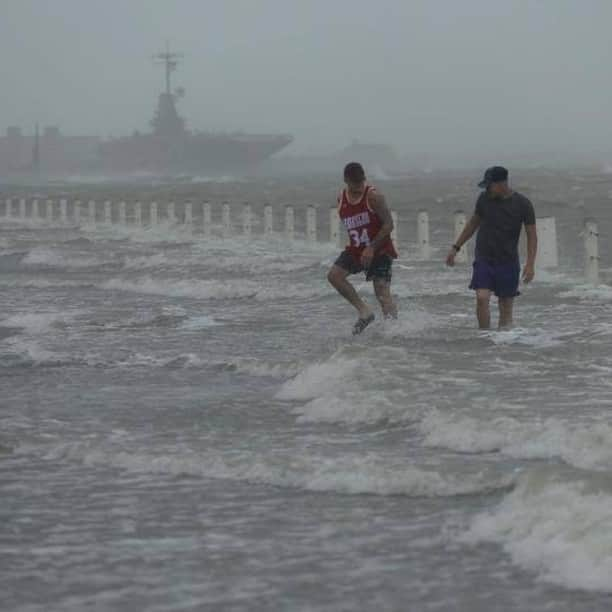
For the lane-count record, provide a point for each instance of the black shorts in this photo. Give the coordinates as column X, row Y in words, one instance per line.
column 380, row 268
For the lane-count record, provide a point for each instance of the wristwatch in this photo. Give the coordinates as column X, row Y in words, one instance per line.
column 457, row 248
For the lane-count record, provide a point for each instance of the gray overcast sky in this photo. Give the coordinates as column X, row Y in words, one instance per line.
column 423, row 75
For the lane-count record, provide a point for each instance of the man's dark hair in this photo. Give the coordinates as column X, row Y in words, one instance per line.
column 354, row 172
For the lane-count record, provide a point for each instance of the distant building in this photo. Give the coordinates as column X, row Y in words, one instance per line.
column 48, row 154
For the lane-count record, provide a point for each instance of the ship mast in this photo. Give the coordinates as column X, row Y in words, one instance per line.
column 166, row 122
column 170, row 61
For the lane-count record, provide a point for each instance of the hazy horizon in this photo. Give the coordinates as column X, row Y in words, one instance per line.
column 441, row 78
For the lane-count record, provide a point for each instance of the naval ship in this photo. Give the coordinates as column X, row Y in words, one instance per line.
column 169, row 149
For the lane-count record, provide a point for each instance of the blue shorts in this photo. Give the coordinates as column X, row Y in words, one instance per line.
column 500, row 278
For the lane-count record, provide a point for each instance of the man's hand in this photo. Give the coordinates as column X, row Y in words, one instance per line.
column 450, row 258
column 528, row 273
column 367, row 256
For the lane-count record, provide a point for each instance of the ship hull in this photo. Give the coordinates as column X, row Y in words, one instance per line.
column 195, row 155
column 202, row 154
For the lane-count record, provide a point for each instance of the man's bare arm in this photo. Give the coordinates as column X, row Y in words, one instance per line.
column 379, row 205
column 532, row 244
column 532, row 249
column 468, row 231
column 470, row 227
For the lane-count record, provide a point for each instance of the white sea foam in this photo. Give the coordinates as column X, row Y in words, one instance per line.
column 201, row 322
column 416, row 287
column 534, row 337
column 199, row 289
column 583, row 445
column 332, row 375
column 216, row 289
column 601, row 293
column 252, row 367
column 183, row 360
column 265, row 263
column 162, row 233
column 355, row 407
column 559, row 528
column 410, row 322
column 27, row 350
column 257, row 367
column 247, row 263
column 367, row 474
column 43, row 283
column 37, row 322
column 293, row 291
column 44, row 256
column 17, row 351
column 351, row 387
column 141, row 262
column 268, row 248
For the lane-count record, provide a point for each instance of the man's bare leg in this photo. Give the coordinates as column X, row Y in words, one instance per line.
column 337, row 276
column 505, row 312
column 483, row 311
column 382, row 289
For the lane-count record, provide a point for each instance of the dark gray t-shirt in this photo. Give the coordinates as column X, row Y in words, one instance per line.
column 500, row 226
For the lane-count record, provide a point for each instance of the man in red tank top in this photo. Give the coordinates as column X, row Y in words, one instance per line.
column 364, row 213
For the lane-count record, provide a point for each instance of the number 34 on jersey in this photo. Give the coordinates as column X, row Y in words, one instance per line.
column 359, row 237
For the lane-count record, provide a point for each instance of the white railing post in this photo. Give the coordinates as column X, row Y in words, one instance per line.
column 22, row 208
column 108, row 212
column 122, row 213
column 63, row 212
column 547, row 243
column 226, row 220
column 591, row 251
column 35, row 210
column 170, row 213
column 91, row 213
column 459, row 222
column 138, row 214
column 153, row 217
column 188, row 216
column 395, row 232
column 49, row 211
column 7, row 208
column 207, row 218
column 268, row 220
column 247, row 220
column 311, row 224
column 289, row 223
column 76, row 212
column 423, row 235
column 334, row 226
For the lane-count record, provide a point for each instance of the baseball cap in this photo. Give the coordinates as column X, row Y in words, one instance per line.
column 494, row 174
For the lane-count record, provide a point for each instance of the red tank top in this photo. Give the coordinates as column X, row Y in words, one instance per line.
column 362, row 224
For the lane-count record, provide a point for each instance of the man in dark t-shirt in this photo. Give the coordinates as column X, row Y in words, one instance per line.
column 499, row 216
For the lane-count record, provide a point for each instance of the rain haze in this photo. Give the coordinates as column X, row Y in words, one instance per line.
column 206, row 405
column 446, row 78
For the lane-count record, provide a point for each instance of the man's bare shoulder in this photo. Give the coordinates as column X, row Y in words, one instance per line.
column 376, row 198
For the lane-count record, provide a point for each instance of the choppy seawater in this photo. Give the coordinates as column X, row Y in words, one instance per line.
column 187, row 424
